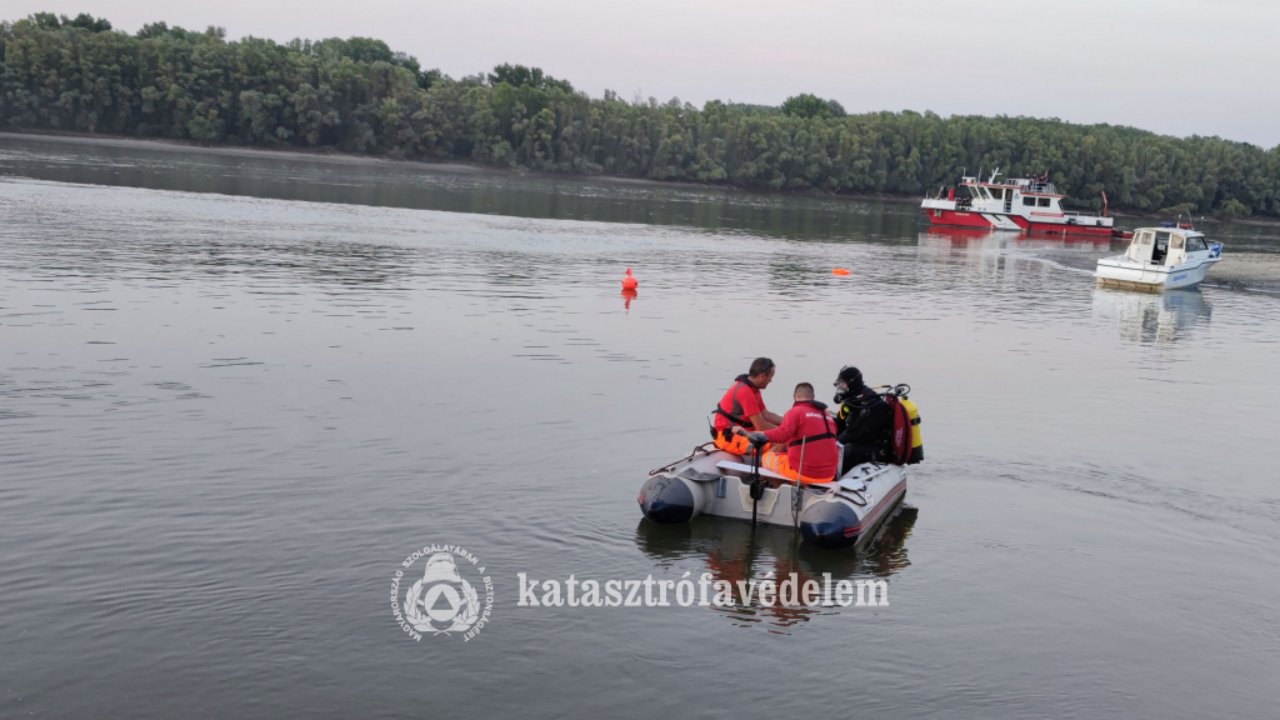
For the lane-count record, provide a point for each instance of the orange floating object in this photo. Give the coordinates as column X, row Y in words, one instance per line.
column 839, row 271
column 629, row 282
column 628, row 294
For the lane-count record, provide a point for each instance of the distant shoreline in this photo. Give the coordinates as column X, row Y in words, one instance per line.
column 338, row 156
column 126, row 142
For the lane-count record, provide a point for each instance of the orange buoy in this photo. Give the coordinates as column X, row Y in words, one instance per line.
column 840, row 271
column 629, row 282
column 628, row 294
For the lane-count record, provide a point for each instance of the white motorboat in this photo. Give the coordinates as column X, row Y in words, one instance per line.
column 1160, row 258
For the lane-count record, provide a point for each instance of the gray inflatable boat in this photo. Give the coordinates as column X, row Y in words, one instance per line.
column 839, row 514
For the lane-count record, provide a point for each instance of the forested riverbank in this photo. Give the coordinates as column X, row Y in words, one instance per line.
column 359, row 96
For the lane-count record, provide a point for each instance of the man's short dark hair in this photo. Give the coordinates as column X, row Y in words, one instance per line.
column 806, row 387
column 760, row 366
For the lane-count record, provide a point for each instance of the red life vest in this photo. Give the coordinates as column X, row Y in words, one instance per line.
column 809, row 429
column 740, row 402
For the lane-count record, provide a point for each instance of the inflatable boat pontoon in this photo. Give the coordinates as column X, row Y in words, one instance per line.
column 838, row 514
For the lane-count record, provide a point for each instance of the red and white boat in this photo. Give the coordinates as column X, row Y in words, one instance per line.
column 1030, row 205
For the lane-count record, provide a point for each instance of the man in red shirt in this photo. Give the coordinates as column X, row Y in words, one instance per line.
column 804, row 442
column 742, row 406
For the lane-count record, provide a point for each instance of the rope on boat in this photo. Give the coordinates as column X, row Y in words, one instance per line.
column 701, row 449
column 853, row 496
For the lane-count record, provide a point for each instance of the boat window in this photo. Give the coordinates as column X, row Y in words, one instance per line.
column 1043, row 202
column 997, row 193
column 1177, row 242
column 1031, row 202
column 1162, row 248
column 1196, row 243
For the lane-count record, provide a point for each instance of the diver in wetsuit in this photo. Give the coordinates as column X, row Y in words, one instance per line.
column 864, row 421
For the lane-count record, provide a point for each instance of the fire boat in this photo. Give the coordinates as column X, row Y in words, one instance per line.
column 1029, row 205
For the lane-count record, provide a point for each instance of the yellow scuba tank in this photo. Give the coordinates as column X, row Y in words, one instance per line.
column 917, row 442
column 896, row 396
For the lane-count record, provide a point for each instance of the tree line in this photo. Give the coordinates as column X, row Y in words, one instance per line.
column 357, row 95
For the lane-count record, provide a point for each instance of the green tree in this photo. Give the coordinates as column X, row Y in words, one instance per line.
column 806, row 105
column 521, row 76
column 360, row 95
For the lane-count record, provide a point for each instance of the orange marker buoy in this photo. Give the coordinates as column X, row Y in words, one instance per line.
column 629, row 282
column 840, row 271
column 627, row 296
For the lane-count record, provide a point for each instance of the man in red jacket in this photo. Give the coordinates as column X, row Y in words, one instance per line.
column 742, row 406
column 806, row 436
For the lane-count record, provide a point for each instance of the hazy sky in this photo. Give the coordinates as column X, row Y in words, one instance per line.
column 1181, row 67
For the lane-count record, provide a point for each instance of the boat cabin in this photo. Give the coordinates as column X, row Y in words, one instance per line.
column 1164, row 246
column 1015, row 196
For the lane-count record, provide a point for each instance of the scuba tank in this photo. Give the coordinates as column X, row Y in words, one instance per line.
column 906, row 442
column 917, row 442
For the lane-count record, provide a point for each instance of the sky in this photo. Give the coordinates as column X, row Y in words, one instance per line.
column 1176, row 67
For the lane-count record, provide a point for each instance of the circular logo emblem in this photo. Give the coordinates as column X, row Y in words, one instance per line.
column 443, row 601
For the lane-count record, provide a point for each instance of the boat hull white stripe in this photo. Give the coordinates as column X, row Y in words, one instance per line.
column 1000, row 222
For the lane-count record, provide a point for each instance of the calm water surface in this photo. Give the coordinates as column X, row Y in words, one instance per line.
column 236, row 391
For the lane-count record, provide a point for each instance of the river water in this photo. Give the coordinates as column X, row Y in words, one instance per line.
column 238, row 390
